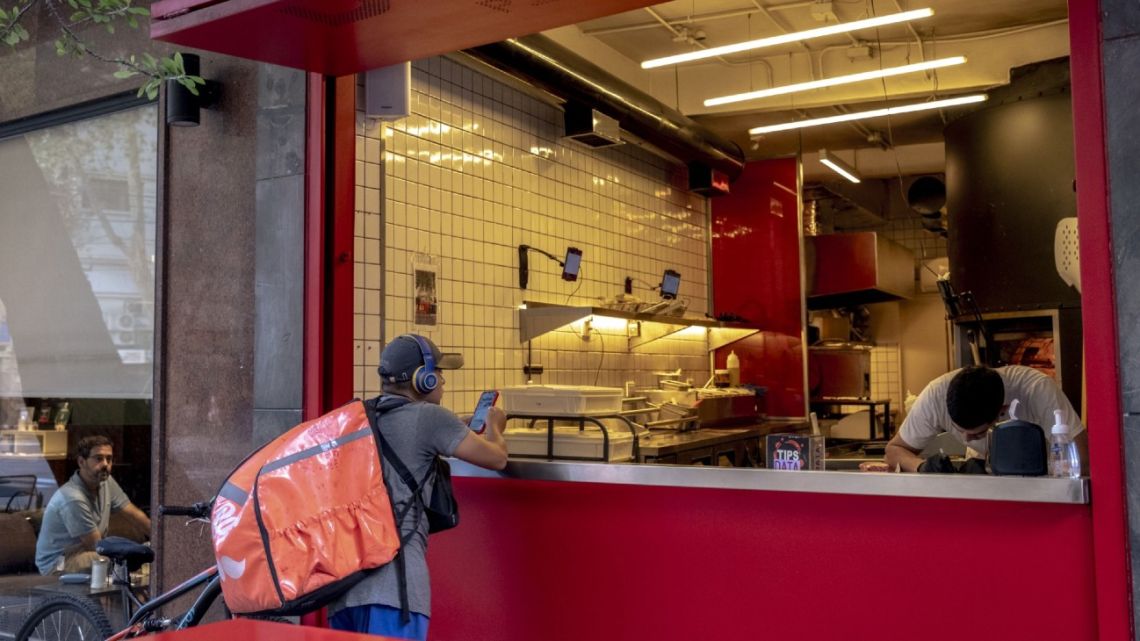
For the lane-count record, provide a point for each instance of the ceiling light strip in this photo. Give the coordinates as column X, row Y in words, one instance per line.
column 875, row 113
column 838, row 80
column 834, row 166
column 797, row 36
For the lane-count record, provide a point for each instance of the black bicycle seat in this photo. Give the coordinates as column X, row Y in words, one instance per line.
column 120, row 549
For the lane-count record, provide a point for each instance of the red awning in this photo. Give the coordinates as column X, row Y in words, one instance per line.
column 340, row 37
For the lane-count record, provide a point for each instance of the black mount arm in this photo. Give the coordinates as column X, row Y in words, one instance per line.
column 524, row 263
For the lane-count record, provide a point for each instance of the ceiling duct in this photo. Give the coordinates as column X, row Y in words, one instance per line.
column 843, row 206
column 590, row 127
column 541, row 62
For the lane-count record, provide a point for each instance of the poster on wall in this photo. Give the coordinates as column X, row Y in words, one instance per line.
column 425, row 303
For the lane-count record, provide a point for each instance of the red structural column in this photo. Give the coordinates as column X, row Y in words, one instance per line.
column 1103, row 411
column 329, row 212
column 756, row 267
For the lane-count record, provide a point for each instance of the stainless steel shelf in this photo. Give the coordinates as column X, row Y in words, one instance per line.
column 536, row 319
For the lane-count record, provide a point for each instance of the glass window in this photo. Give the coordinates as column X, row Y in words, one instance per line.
column 77, row 245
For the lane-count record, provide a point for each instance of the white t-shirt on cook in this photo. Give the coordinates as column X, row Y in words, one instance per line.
column 1037, row 395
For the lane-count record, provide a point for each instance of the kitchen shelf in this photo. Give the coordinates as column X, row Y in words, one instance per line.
column 536, row 319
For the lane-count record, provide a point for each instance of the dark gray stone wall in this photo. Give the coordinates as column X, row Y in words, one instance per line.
column 1121, row 58
column 229, row 376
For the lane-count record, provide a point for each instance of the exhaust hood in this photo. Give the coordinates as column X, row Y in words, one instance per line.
column 858, row 268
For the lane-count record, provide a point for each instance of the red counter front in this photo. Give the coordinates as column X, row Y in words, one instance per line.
column 550, row 560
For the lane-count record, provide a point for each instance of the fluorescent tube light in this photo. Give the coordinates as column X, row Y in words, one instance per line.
column 838, row 166
column 838, row 80
column 788, row 37
column 875, row 113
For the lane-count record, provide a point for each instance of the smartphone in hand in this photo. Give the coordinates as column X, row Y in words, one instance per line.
column 479, row 418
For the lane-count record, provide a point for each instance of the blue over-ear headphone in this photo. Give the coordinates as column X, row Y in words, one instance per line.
column 424, row 379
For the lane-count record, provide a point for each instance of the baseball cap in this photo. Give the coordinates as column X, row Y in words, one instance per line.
column 402, row 356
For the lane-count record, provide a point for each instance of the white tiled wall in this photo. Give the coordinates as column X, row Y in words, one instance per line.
column 886, row 376
column 476, row 170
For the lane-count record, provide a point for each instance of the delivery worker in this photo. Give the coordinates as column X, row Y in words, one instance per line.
column 418, row 429
column 966, row 403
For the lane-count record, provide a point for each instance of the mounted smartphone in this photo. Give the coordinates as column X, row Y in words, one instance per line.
column 670, row 284
column 572, row 263
column 479, row 417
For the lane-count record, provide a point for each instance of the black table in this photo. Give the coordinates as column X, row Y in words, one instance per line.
column 822, row 403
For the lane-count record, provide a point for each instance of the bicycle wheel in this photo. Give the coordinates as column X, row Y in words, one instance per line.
column 65, row 618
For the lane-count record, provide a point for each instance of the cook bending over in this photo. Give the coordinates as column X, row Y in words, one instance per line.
column 967, row 403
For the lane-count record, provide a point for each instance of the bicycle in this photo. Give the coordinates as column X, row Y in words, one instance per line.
column 67, row 616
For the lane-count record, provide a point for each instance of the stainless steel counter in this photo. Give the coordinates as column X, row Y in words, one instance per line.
column 969, row 487
column 665, row 443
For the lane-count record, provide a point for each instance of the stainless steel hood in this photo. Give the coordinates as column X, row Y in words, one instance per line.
column 857, row 268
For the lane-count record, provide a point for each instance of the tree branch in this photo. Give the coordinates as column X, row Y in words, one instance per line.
column 66, row 28
column 11, row 26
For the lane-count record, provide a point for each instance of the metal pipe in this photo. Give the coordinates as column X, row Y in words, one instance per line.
column 541, row 62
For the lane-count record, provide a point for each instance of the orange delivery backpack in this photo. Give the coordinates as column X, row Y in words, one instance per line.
column 306, row 516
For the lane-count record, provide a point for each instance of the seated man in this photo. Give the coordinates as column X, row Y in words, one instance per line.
column 78, row 514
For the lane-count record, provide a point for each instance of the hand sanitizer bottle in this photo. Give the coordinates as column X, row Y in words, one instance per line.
column 1064, row 460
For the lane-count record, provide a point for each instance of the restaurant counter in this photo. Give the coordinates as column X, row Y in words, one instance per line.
column 968, row 487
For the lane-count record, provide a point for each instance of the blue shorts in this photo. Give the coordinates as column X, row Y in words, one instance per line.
column 382, row 620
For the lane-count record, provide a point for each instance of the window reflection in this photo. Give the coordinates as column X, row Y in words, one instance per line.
column 77, row 245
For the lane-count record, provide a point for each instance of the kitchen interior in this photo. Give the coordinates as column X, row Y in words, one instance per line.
column 677, row 289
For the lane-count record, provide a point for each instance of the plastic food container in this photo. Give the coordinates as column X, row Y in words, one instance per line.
column 561, row 400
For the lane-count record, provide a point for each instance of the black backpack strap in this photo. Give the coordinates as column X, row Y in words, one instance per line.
column 373, row 413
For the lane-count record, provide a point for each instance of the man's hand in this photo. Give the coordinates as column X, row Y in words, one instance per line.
column 490, row 449
column 496, row 420
column 937, row 464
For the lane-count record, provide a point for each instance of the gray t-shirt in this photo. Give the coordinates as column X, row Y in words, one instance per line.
column 417, row 432
column 73, row 512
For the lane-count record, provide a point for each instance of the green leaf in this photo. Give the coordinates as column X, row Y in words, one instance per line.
column 197, row 79
column 178, row 61
column 152, row 91
column 139, row 11
column 86, row 4
column 110, row 27
column 189, row 84
column 73, row 4
column 125, row 73
column 3, row 14
column 141, row 91
column 133, row 22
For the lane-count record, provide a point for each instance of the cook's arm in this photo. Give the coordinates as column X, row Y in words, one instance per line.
column 901, row 455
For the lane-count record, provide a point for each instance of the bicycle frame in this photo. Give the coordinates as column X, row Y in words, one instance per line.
column 213, row 587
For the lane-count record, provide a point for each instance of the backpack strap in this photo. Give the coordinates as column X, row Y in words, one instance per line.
column 373, row 411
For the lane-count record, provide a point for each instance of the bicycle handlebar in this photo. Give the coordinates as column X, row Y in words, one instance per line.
column 199, row 510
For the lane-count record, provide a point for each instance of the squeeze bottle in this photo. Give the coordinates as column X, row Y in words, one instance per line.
column 733, row 363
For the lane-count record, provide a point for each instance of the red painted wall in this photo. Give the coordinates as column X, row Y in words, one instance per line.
column 1103, row 407
column 756, row 275
column 544, row 560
